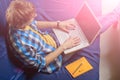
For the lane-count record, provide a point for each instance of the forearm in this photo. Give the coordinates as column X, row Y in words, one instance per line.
column 51, row 56
column 69, row 43
column 47, row 24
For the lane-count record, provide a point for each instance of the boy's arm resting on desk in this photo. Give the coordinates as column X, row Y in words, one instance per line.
column 71, row 42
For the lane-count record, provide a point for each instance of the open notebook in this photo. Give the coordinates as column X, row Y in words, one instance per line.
column 87, row 28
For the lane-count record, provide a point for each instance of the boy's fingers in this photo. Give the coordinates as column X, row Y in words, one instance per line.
column 71, row 27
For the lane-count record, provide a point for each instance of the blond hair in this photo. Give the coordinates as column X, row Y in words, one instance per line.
column 19, row 13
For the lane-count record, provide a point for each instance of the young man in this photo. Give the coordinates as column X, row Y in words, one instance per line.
column 36, row 48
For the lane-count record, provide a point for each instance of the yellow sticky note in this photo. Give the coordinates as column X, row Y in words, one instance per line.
column 79, row 67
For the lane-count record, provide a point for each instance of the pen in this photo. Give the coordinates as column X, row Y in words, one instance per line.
column 77, row 68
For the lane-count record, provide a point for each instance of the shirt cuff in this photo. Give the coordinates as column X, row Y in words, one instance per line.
column 42, row 64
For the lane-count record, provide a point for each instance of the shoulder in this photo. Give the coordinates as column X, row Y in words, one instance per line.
column 18, row 34
column 34, row 25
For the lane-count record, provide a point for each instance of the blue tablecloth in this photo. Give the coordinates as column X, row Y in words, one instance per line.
column 51, row 10
column 7, row 70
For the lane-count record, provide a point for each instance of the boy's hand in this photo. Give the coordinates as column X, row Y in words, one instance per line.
column 66, row 25
column 71, row 42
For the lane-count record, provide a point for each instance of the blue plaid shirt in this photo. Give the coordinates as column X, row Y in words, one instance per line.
column 32, row 49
